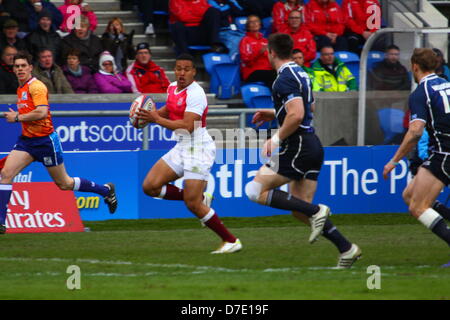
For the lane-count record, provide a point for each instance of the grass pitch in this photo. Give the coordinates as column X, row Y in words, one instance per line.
column 170, row 259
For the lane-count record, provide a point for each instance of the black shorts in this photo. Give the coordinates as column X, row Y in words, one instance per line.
column 439, row 165
column 300, row 157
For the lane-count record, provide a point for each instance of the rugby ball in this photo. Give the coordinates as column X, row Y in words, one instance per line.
column 141, row 102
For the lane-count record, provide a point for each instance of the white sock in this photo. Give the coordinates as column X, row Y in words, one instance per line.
column 208, row 216
column 429, row 218
column 163, row 191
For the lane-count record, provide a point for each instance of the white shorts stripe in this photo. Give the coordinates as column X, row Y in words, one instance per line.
column 5, row 187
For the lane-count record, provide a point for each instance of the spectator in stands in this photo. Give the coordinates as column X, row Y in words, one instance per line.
column 16, row 10
column 442, row 70
column 44, row 37
column 85, row 10
column 83, row 39
column 389, row 74
column 145, row 75
column 34, row 8
column 229, row 35
column 108, row 79
column 8, row 79
column 360, row 24
column 194, row 22
column 326, row 21
column 50, row 73
column 118, row 43
column 255, row 65
column 260, row 8
column 9, row 36
column 280, row 13
column 147, row 7
column 298, row 57
column 79, row 77
column 303, row 39
column 331, row 74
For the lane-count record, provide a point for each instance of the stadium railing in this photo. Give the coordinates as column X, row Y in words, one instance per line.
column 242, row 112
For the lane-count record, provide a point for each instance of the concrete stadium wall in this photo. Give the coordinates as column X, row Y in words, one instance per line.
column 336, row 114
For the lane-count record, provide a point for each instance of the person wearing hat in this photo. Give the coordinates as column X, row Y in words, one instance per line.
column 44, row 37
column 145, row 75
column 9, row 36
column 34, row 8
column 14, row 9
column 108, row 80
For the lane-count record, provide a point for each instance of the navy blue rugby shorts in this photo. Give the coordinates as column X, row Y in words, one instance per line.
column 47, row 150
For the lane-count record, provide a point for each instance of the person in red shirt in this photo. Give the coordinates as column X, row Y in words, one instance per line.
column 255, row 65
column 303, row 39
column 193, row 22
column 363, row 19
column 145, row 75
column 326, row 21
column 280, row 13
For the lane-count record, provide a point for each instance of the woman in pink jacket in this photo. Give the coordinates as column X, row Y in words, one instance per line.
column 68, row 24
column 108, row 80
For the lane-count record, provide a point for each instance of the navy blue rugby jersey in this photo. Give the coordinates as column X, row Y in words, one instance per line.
column 430, row 103
column 291, row 83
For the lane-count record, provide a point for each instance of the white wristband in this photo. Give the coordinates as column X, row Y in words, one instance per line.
column 276, row 139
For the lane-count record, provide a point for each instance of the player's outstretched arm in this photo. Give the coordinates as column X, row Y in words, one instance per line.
column 409, row 142
column 163, row 112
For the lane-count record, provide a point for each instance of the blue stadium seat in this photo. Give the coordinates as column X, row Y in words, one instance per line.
column 199, row 48
column 240, row 23
column 257, row 96
column 267, row 26
column 161, row 13
column 391, row 123
column 225, row 77
column 317, row 57
column 374, row 57
column 351, row 60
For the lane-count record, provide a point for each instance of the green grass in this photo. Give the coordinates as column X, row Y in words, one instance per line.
column 169, row 259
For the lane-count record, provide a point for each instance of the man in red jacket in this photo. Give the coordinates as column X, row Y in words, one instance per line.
column 326, row 21
column 145, row 75
column 303, row 39
column 193, row 22
column 363, row 19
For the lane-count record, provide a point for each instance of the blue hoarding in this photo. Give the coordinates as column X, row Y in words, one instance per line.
column 93, row 133
column 350, row 182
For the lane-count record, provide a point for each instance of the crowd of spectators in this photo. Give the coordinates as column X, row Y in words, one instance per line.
column 69, row 57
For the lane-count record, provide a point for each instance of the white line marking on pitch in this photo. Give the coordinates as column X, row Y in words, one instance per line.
column 197, row 269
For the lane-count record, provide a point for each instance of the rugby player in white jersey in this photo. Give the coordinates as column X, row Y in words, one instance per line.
column 194, row 154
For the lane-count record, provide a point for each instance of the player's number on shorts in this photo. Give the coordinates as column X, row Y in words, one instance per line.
column 445, row 94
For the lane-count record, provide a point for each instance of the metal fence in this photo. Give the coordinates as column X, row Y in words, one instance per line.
column 125, row 113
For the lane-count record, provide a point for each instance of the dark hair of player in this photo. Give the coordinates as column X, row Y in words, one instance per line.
column 24, row 55
column 281, row 44
column 297, row 51
column 186, row 57
column 425, row 58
